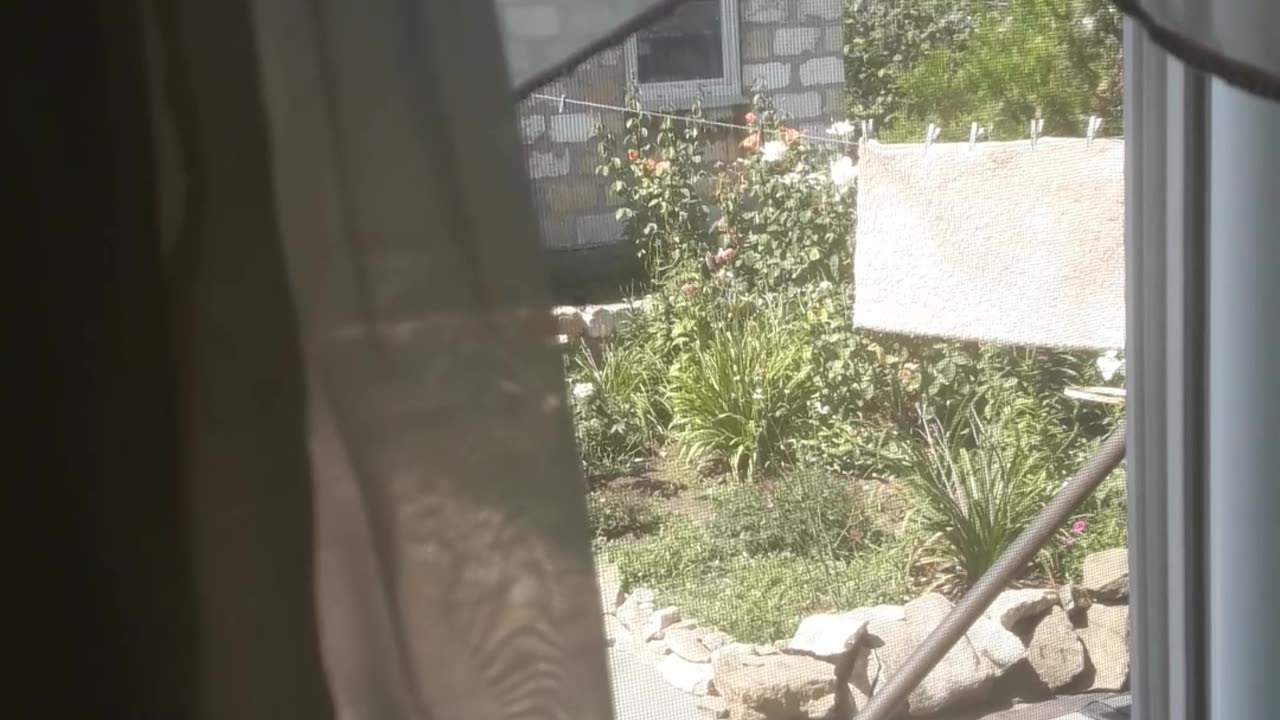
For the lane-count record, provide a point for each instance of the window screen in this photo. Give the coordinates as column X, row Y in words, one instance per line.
column 832, row 344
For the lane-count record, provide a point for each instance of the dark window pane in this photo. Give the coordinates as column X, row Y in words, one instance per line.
column 685, row 45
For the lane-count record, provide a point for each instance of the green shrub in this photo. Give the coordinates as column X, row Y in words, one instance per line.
column 1101, row 524
column 806, row 514
column 617, row 405
column 977, row 484
column 678, row 553
column 787, row 211
column 756, row 598
column 761, row 599
column 741, row 396
column 614, row 514
column 655, row 171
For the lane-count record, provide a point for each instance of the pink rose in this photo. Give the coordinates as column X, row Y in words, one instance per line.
column 726, row 255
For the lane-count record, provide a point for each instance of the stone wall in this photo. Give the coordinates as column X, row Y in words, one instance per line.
column 791, row 48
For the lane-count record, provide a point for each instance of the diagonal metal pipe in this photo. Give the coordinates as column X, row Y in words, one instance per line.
column 885, row 703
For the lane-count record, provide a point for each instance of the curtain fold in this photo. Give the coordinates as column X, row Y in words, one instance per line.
column 439, row 415
column 1231, row 39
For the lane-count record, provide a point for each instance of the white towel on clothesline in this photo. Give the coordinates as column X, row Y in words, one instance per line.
column 994, row 242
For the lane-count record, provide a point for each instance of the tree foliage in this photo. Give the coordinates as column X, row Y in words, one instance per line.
column 1000, row 63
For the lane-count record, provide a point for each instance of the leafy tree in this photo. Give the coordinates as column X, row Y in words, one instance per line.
column 1000, row 63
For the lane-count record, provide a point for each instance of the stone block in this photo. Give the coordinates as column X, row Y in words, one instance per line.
column 598, row 229
column 764, row 11
column 571, row 127
column 960, row 678
column 821, row 9
column 827, row 635
column 1105, row 637
column 833, row 101
column 827, row 70
column 548, row 164
column 833, row 39
column 794, row 40
column 800, row 105
column 766, row 76
column 585, row 163
column 555, row 231
column 570, row 197
column 685, row 675
column 1055, row 652
column 1011, row 606
column 532, row 127
column 756, row 45
column 1106, row 574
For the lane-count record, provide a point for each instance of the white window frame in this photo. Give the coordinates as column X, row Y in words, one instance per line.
column 681, row 95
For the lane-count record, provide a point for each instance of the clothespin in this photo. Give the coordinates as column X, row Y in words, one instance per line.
column 928, row 137
column 1091, row 130
column 563, row 98
column 973, row 134
column 1037, row 126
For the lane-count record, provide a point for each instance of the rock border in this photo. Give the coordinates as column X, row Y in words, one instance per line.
column 1030, row 644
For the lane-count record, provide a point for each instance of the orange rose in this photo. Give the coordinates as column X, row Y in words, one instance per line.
column 751, row 142
column 789, row 135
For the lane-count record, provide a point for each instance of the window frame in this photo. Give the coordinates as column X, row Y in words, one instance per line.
column 682, row 94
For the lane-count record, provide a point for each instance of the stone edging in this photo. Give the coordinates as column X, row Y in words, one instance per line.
column 1031, row 644
column 592, row 321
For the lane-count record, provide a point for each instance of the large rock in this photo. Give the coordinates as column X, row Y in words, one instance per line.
column 828, row 636
column 687, row 643
column 879, row 612
column 614, row 631
column 1012, row 606
column 962, row 677
column 659, row 621
column 863, row 676
column 998, row 645
column 636, row 609
column 716, row 639
column 1106, row 574
column 1105, row 637
column 774, row 687
column 691, row 677
column 1055, row 652
column 1074, row 599
column 713, row 707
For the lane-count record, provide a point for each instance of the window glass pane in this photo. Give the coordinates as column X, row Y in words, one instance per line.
column 685, row 45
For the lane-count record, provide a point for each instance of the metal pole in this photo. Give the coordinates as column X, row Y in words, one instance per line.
column 885, row 703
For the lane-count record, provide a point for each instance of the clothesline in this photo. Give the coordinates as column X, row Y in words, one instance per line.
column 700, row 121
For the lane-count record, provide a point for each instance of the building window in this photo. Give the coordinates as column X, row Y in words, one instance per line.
column 690, row 54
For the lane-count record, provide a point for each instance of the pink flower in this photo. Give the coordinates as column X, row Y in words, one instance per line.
column 632, row 155
column 690, row 290
column 751, row 118
column 726, row 255
column 1079, row 527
